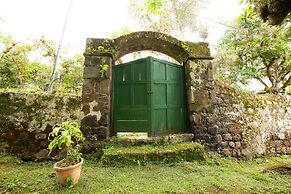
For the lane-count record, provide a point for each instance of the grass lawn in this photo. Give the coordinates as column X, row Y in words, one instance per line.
column 215, row 175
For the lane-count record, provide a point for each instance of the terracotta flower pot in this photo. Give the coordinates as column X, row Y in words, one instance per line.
column 73, row 171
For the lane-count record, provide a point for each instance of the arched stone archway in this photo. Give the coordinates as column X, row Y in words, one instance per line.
column 100, row 55
column 147, row 40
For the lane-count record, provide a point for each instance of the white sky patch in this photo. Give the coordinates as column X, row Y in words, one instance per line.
column 91, row 18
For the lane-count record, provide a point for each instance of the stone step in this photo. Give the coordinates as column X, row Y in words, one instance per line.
column 153, row 154
column 144, row 140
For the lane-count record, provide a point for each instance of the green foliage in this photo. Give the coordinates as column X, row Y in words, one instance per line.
column 71, row 74
column 154, row 6
column 29, row 65
column 173, row 17
column 104, row 68
column 14, row 70
column 69, row 180
column 67, row 136
column 153, row 154
column 254, row 50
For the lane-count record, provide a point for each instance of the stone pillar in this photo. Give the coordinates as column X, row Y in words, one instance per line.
column 200, row 94
column 96, row 97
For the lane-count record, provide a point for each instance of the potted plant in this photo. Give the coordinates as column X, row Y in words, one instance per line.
column 66, row 137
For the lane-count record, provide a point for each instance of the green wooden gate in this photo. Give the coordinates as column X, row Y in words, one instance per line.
column 149, row 96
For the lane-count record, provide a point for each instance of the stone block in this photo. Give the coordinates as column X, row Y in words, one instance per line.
column 245, row 152
column 102, row 133
column 92, row 61
column 231, row 144
column 196, row 119
column 86, row 109
column 222, row 130
column 213, row 130
column 190, row 96
column 273, row 150
column 237, row 145
column 237, row 137
column 40, row 136
column 104, row 86
column 211, row 119
column 287, row 142
column 91, row 72
column 227, row 137
column 223, row 144
column 218, row 138
column 97, row 60
column 238, row 152
column 42, row 154
column 278, row 143
column 226, row 152
column 89, row 121
column 281, row 136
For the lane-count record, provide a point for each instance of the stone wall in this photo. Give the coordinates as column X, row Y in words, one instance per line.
column 240, row 124
column 26, row 118
column 96, row 97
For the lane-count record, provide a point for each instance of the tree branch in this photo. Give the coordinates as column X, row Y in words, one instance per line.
column 287, row 83
column 261, row 81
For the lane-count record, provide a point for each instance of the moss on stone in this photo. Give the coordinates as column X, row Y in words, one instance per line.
column 147, row 40
column 153, row 154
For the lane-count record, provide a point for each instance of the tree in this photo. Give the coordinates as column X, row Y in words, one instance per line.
column 71, row 74
column 174, row 17
column 13, row 62
column 255, row 50
column 273, row 11
column 29, row 65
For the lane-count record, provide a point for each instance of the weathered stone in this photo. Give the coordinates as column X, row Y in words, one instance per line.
column 273, row 150
column 223, row 144
column 211, row 119
column 237, row 145
column 237, row 137
column 89, row 121
column 245, row 152
column 40, row 136
column 104, row 87
column 287, row 142
column 102, row 133
column 226, row 152
column 213, row 130
column 218, row 138
column 91, row 72
column 222, row 130
column 227, row 137
column 281, row 136
column 147, row 41
column 196, row 119
column 42, row 154
column 278, row 143
column 238, row 152
column 231, row 144
column 283, row 150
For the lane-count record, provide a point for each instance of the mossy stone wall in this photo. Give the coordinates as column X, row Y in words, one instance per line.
column 241, row 124
column 26, row 118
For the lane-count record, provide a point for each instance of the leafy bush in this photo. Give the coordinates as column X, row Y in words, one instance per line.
column 67, row 136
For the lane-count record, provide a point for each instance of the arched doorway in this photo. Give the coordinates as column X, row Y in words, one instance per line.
column 100, row 56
